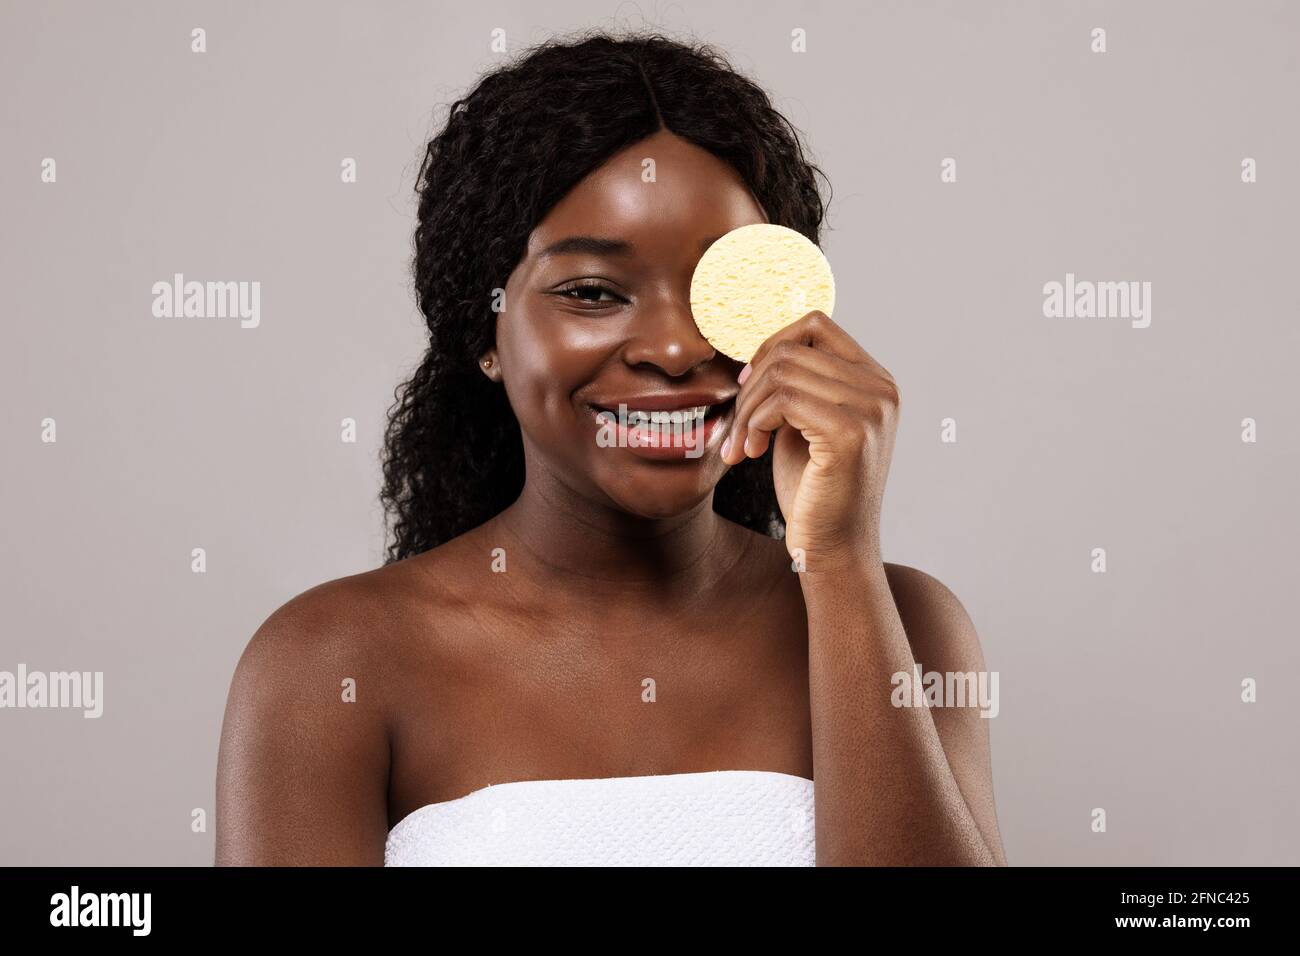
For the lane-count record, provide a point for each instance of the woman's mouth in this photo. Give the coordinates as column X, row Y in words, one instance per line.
column 661, row 429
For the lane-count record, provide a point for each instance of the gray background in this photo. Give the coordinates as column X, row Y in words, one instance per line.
column 1118, row 690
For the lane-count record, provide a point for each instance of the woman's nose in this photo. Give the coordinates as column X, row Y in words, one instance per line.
column 665, row 335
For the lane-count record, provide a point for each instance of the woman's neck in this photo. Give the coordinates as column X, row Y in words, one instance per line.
column 569, row 536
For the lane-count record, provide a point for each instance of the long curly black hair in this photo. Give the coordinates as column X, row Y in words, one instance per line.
column 511, row 149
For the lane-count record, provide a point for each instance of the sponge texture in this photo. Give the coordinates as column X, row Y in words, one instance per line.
column 753, row 282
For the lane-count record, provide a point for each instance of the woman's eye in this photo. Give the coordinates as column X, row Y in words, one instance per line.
column 588, row 292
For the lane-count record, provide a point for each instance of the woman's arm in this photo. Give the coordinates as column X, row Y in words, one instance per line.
column 895, row 784
column 303, row 770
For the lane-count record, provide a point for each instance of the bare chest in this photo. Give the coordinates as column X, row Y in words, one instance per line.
column 507, row 698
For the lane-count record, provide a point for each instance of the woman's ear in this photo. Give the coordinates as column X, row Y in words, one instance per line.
column 490, row 365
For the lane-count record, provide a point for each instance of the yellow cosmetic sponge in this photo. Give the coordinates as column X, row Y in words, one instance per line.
column 755, row 281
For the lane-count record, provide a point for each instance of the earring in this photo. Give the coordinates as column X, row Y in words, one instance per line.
column 487, row 363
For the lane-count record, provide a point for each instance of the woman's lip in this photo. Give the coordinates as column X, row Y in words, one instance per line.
column 703, row 438
column 676, row 401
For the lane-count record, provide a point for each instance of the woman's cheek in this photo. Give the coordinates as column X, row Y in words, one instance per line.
column 550, row 359
column 541, row 388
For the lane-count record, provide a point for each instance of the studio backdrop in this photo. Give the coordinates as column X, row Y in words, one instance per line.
column 1068, row 230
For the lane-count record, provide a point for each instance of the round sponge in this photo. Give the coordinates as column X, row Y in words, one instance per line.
column 753, row 282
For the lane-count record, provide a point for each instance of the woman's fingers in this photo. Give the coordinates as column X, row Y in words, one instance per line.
column 817, row 331
column 797, row 374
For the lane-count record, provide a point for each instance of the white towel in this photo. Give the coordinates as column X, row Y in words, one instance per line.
column 711, row 818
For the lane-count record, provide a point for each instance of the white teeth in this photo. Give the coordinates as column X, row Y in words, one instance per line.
column 679, row 416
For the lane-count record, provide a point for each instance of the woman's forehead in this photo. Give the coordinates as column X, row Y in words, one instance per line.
column 650, row 194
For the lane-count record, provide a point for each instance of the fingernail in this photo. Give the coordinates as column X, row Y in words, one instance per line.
column 726, row 446
column 744, row 374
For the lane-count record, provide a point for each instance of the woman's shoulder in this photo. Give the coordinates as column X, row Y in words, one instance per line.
column 938, row 626
column 306, row 732
column 909, row 585
column 306, row 651
column 374, row 620
column 934, row 618
column 362, row 617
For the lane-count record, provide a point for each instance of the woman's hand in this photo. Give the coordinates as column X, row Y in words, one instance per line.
column 834, row 410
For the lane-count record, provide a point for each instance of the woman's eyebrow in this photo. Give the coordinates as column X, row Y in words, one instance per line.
column 590, row 245
column 595, row 246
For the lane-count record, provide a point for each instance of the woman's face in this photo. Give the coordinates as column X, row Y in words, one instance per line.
column 597, row 315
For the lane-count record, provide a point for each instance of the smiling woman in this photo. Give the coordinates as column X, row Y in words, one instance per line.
column 593, row 652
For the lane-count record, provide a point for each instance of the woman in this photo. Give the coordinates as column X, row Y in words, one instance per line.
column 580, row 653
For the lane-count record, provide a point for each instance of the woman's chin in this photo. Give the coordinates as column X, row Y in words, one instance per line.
column 658, row 503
